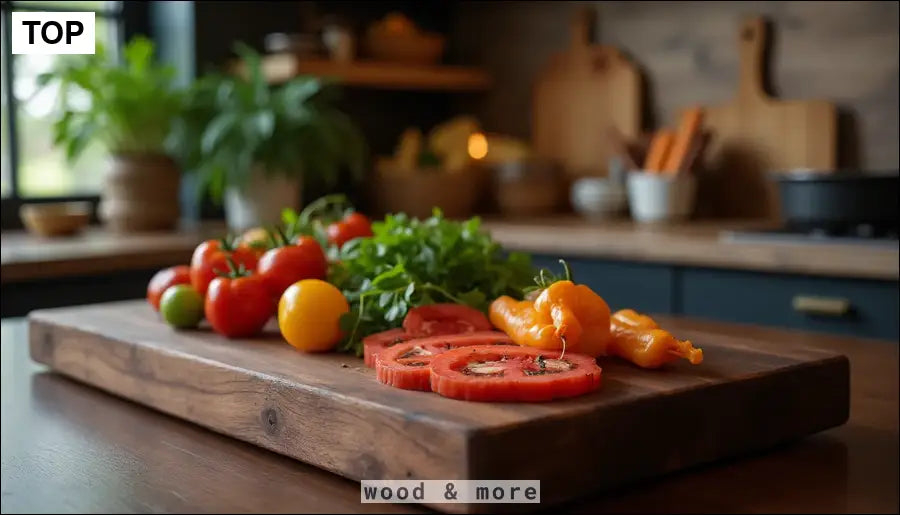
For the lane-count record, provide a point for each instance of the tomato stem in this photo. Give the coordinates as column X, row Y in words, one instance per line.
column 234, row 271
column 271, row 239
column 228, row 242
column 284, row 237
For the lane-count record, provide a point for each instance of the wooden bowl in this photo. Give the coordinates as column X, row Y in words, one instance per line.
column 421, row 48
column 529, row 187
column 417, row 193
column 55, row 219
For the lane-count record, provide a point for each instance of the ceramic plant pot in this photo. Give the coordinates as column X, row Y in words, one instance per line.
column 140, row 193
column 260, row 201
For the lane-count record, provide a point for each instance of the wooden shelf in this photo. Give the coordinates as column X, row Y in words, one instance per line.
column 279, row 68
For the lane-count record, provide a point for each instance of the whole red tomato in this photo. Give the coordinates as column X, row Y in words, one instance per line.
column 283, row 266
column 354, row 225
column 239, row 306
column 211, row 258
column 166, row 277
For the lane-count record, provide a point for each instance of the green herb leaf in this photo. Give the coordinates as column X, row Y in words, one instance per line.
column 411, row 262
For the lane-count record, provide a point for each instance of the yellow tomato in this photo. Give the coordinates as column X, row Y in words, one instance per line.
column 309, row 314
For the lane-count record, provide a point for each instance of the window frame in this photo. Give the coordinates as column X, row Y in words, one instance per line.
column 132, row 18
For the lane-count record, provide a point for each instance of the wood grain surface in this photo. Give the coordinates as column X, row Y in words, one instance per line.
column 328, row 410
column 755, row 135
column 279, row 68
column 841, row 51
column 581, row 93
column 86, row 451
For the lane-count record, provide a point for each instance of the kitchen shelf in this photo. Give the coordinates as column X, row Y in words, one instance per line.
column 279, row 68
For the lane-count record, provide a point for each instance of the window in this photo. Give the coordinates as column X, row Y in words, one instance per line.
column 32, row 168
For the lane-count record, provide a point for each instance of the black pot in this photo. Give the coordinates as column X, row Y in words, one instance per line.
column 839, row 201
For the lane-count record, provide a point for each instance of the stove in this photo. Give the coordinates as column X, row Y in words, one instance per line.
column 864, row 235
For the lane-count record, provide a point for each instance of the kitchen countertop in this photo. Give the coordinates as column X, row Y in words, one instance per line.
column 698, row 243
column 95, row 251
column 71, row 448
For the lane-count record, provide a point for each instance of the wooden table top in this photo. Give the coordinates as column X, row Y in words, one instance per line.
column 696, row 243
column 70, row 448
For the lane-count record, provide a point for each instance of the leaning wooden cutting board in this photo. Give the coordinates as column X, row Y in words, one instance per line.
column 755, row 135
column 581, row 93
column 328, row 409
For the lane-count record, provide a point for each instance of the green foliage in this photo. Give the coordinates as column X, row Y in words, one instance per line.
column 131, row 106
column 231, row 124
column 411, row 262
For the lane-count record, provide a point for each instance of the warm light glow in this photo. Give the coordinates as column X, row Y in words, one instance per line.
column 478, row 146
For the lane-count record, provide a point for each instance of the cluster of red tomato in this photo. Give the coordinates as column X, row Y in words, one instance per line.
column 238, row 284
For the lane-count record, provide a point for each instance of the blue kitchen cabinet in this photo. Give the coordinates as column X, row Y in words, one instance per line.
column 640, row 286
column 868, row 308
column 777, row 300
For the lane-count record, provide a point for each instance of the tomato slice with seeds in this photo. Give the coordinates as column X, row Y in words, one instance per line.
column 375, row 343
column 435, row 319
column 512, row 374
column 406, row 365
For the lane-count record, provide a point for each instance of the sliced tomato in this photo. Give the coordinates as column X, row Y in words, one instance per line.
column 375, row 343
column 512, row 374
column 406, row 365
column 437, row 319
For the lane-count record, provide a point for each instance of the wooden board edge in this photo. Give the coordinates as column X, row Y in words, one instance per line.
column 819, row 390
column 126, row 370
column 47, row 333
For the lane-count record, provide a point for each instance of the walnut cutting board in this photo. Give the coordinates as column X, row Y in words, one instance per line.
column 756, row 134
column 581, row 92
column 328, row 409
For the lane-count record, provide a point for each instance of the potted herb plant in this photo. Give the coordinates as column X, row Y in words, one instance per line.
column 129, row 107
column 256, row 146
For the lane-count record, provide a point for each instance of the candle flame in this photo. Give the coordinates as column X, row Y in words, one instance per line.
column 478, row 146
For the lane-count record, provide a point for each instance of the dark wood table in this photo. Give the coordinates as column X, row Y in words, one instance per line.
column 70, row 448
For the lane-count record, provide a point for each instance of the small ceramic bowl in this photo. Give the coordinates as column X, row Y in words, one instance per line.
column 56, row 218
column 598, row 198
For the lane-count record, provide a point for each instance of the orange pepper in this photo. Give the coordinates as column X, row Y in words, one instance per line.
column 639, row 339
column 564, row 316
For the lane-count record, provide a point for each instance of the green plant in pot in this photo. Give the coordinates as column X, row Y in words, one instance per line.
column 256, row 146
column 130, row 108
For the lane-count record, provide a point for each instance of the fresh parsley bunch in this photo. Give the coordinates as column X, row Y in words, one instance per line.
column 411, row 262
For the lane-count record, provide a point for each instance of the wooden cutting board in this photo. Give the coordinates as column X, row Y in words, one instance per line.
column 328, row 409
column 581, row 92
column 756, row 134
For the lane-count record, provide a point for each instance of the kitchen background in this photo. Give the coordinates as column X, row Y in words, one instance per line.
column 727, row 252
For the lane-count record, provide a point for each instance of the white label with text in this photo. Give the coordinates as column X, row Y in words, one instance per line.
column 434, row 491
column 52, row 33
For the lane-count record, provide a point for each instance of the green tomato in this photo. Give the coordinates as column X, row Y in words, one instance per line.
column 181, row 306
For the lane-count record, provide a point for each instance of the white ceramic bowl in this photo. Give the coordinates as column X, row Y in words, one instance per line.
column 598, row 198
column 655, row 197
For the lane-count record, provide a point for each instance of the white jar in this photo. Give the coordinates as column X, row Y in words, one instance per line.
column 660, row 197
